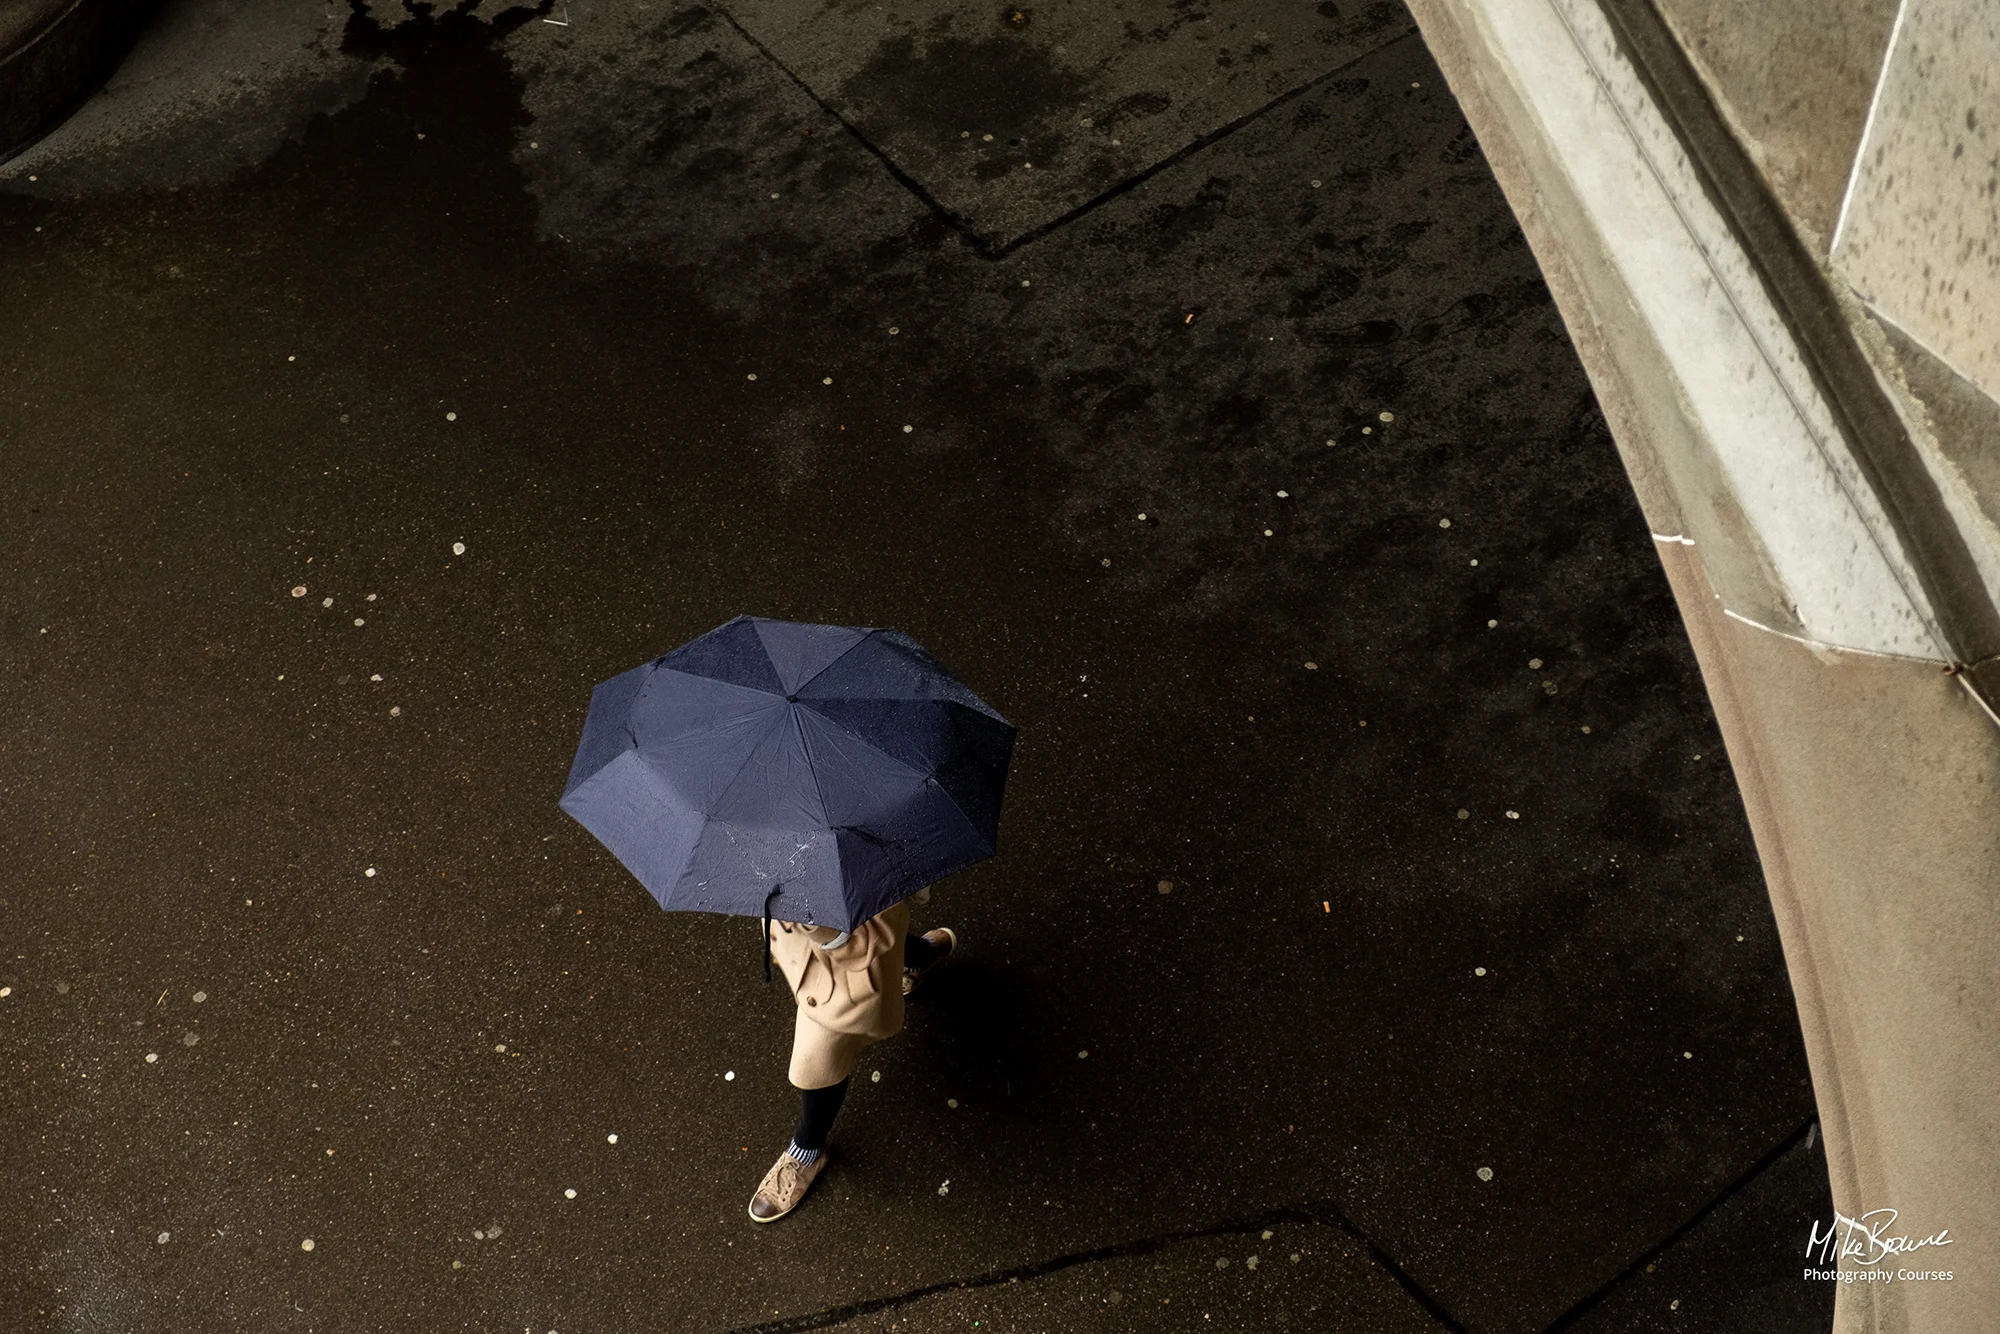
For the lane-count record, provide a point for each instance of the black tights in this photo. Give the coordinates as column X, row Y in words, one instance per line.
column 817, row 1108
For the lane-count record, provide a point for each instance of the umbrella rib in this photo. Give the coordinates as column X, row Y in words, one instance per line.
column 741, row 765
column 805, row 749
column 836, row 658
column 862, row 740
column 961, row 814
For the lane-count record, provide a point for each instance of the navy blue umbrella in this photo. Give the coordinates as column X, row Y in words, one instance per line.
column 815, row 773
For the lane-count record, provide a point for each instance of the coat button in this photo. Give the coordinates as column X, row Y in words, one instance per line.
column 812, row 1000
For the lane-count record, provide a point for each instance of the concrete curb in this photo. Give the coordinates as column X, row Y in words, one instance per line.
column 53, row 55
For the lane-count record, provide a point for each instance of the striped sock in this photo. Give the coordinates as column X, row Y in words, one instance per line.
column 805, row 1157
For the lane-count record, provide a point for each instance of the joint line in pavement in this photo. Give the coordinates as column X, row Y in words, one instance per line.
column 1323, row 1214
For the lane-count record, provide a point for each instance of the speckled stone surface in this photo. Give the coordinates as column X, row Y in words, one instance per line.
column 1921, row 239
column 1794, row 78
column 512, row 297
column 1740, row 1266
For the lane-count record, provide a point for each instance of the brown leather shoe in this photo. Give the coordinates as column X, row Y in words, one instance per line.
column 945, row 939
column 783, row 1187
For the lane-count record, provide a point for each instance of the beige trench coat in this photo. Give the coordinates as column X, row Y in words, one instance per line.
column 847, row 997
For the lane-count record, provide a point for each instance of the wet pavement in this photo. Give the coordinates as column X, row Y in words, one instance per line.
column 1371, row 873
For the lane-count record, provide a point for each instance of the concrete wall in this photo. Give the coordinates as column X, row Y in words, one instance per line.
column 1870, row 772
column 1794, row 78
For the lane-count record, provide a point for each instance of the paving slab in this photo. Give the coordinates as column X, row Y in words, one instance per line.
column 1240, row 954
column 1012, row 117
column 1741, row 1265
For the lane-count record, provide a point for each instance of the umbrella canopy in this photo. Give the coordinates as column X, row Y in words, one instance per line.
column 842, row 768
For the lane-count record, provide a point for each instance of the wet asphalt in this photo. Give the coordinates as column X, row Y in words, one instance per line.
column 1375, row 942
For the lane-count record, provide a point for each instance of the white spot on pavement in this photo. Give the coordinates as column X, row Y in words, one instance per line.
column 570, row 1194
column 298, row 590
column 451, row 416
column 1479, row 972
column 306, row 1245
column 611, row 1139
column 458, row 548
column 152, row 1058
column 1484, row 1174
column 370, row 873
column 1513, row 815
column 164, row 1237
column 729, row 1074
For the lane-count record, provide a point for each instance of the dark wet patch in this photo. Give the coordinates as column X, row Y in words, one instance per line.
column 985, row 85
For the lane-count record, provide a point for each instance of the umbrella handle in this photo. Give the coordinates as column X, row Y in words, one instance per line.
column 775, row 891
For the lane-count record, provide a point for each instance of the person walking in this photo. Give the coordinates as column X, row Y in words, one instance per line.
column 848, row 988
column 819, row 777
